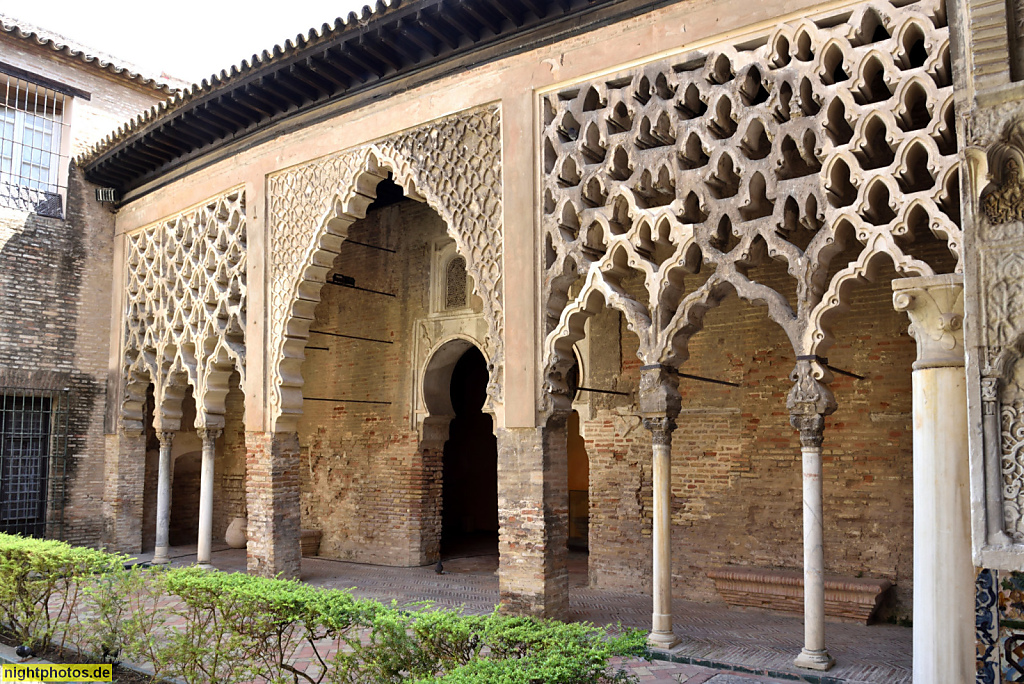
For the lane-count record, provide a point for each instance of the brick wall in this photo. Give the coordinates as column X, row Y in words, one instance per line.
column 55, row 277
column 736, row 460
column 365, row 484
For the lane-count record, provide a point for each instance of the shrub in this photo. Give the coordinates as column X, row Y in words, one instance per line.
column 41, row 582
column 230, row 627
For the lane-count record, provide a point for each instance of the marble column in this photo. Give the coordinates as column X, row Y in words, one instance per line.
column 165, row 476
column 203, row 551
column 944, row 649
column 659, row 404
column 809, row 402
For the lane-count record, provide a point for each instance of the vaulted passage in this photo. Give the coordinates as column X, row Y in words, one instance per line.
column 470, row 511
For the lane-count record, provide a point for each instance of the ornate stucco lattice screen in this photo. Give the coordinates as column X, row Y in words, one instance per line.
column 829, row 132
column 185, row 296
column 454, row 164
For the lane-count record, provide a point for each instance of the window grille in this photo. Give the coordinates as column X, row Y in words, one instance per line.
column 32, row 125
column 33, row 456
column 455, row 284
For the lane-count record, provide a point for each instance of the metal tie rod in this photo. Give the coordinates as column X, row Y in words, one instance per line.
column 346, row 401
column 349, row 337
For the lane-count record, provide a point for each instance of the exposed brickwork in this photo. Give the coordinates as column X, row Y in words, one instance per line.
column 272, row 497
column 736, row 459
column 533, row 510
column 229, row 467
column 124, row 475
column 368, row 483
column 55, row 277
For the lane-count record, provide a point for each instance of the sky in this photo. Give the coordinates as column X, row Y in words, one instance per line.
column 188, row 39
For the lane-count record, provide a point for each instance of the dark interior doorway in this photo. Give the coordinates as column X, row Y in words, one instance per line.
column 469, row 522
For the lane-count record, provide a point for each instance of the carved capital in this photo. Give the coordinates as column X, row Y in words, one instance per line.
column 811, row 427
column 935, row 305
column 989, row 395
column 661, row 428
column 166, row 438
column 659, row 392
column 210, row 435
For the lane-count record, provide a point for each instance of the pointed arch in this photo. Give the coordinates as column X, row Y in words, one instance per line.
column 313, row 204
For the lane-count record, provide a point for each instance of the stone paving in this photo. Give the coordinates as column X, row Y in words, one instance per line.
column 752, row 645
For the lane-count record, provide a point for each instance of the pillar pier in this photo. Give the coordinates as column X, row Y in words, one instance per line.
column 203, row 551
column 533, row 514
column 163, row 499
column 124, row 483
column 809, row 402
column 944, row 649
column 272, row 499
column 659, row 404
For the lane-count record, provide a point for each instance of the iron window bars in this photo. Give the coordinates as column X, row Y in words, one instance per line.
column 33, row 461
column 32, row 122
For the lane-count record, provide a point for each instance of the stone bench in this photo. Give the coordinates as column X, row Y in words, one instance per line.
column 851, row 599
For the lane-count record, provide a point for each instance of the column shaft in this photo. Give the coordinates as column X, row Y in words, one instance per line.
column 661, row 618
column 943, row 570
column 814, row 654
column 204, row 548
column 944, row 646
column 163, row 499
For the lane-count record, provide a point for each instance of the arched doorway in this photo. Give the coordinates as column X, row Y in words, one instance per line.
column 469, row 520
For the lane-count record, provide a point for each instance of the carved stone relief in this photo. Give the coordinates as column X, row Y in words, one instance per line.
column 454, row 164
column 185, row 299
column 821, row 134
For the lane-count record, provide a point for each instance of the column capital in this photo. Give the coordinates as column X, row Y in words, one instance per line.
column 810, row 400
column 209, row 435
column 935, row 305
column 661, row 428
column 166, row 437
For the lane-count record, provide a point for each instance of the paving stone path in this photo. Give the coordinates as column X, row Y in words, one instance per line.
column 753, row 645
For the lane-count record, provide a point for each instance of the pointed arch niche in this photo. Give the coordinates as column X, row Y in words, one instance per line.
column 453, row 164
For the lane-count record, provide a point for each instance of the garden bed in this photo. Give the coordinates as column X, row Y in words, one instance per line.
column 203, row 626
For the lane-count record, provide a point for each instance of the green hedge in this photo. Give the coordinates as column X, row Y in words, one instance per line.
column 205, row 626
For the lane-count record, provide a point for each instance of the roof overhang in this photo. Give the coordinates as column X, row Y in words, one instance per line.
column 398, row 47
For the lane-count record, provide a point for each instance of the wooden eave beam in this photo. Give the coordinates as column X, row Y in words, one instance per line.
column 215, row 111
column 452, row 18
column 143, row 148
column 411, row 33
column 277, row 87
column 381, row 54
column 325, row 69
column 240, row 109
column 178, row 128
column 377, row 70
column 197, row 120
column 336, row 57
column 502, row 7
column 481, row 17
column 538, row 8
column 126, row 160
column 321, row 87
column 428, row 23
column 258, row 99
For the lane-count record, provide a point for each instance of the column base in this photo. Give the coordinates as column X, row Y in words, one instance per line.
column 815, row 660
column 205, row 566
column 160, row 560
column 665, row 640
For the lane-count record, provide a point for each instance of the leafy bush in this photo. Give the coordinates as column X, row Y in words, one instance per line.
column 205, row 626
column 41, row 583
